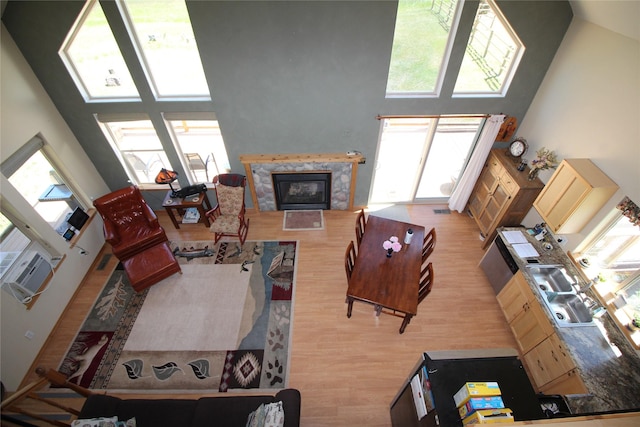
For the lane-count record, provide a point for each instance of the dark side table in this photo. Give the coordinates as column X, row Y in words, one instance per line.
column 199, row 201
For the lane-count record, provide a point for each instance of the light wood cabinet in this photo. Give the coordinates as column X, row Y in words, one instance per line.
column 576, row 191
column 526, row 317
column 550, row 366
column 568, row 383
column 502, row 195
column 548, row 361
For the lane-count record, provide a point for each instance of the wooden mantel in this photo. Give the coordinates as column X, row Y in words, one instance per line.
column 248, row 159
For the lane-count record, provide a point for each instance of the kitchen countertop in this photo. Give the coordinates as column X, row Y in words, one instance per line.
column 607, row 363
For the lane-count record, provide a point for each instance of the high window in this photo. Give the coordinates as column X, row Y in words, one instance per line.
column 422, row 42
column 164, row 42
column 166, row 47
column 492, row 55
column 93, row 59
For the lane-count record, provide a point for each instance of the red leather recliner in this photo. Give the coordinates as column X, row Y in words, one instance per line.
column 130, row 225
column 136, row 237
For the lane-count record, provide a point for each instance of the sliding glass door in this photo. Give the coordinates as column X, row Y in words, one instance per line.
column 421, row 159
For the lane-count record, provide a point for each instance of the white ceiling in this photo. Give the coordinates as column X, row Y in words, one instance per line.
column 620, row 16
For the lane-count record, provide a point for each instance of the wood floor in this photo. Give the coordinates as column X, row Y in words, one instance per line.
column 349, row 370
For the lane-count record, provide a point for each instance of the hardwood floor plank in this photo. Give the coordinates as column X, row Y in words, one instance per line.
column 348, row 370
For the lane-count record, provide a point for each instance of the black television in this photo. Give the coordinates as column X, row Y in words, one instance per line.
column 78, row 218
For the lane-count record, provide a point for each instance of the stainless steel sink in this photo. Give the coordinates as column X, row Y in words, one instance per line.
column 560, row 297
column 551, row 278
column 568, row 309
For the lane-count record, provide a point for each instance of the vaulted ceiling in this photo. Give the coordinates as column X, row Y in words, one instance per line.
column 622, row 17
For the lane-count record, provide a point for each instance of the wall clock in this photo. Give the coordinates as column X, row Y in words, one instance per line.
column 518, row 147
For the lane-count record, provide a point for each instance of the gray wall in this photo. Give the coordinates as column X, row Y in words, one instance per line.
column 285, row 77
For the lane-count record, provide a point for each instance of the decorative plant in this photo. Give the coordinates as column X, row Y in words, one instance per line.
column 392, row 245
column 546, row 159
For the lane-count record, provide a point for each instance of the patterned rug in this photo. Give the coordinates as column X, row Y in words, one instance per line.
column 223, row 324
column 303, row 220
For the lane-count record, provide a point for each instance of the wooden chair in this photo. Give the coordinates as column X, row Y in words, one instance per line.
column 426, row 282
column 361, row 224
column 428, row 244
column 349, row 259
column 228, row 215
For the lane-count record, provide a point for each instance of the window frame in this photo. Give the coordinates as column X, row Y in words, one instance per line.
column 73, row 70
column 443, row 64
column 17, row 160
column 221, row 164
column 103, row 121
column 147, row 65
column 513, row 67
column 592, row 239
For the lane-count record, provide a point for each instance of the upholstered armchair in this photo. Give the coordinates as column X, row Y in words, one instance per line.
column 130, row 226
column 136, row 237
column 228, row 215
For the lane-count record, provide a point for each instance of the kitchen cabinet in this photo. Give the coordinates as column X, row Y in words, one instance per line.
column 550, row 366
column 576, row 191
column 548, row 361
column 526, row 317
column 502, row 195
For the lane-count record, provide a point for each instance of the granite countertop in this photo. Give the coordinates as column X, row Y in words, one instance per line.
column 607, row 363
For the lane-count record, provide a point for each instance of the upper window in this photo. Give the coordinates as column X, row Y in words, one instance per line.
column 138, row 147
column 422, row 43
column 93, row 59
column 200, row 144
column 166, row 47
column 492, row 55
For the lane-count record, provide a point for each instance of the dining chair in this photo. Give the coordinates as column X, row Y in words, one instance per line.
column 428, row 244
column 349, row 259
column 426, row 282
column 361, row 223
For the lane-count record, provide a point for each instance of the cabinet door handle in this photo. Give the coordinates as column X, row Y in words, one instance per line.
column 553, row 354
column 540, row 365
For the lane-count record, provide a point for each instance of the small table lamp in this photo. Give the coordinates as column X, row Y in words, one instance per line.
column 167, row 177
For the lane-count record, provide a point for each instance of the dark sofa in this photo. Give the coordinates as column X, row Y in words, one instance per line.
column 229, row 410
column 224, row 411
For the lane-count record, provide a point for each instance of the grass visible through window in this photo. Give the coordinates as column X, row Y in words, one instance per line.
column 419, row 44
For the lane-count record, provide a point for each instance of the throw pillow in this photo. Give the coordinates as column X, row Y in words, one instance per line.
column 274, row 416
column 270, row 415
column 104, row 422
column 96, row 422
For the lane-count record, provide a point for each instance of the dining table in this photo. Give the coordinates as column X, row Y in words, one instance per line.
column 387, row 282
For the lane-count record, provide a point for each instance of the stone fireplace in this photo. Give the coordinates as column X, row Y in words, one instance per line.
column 341, row 168
column 308, row 190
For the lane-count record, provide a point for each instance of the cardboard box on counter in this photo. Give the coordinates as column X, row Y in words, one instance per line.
column 470, row 390
column 489, row 416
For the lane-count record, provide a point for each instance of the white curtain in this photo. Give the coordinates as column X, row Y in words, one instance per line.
column 460, row 196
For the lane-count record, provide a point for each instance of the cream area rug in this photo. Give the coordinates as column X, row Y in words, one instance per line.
column 298, row 220
column 223, row 324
